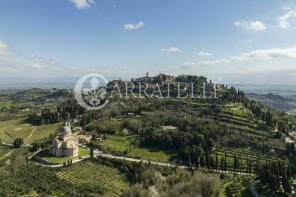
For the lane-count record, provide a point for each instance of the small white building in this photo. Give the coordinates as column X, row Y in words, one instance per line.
column 66, row 143
column 168, row 128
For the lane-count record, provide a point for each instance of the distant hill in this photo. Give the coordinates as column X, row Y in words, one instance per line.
column 285, row 103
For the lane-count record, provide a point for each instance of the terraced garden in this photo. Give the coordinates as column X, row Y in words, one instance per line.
column 237, row 186
column 244, row 154
column 94, row 174
column 240, row 120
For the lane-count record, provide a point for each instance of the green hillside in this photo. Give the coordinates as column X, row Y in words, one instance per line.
column 227, row 133
column 284, row 103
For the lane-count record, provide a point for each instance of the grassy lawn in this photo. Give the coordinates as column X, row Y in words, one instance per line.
column 5, row 104
column 152, row 153
column 97, row 175
column 48, row 157
column 12, row 127
column 118, row 143
column 239, row 110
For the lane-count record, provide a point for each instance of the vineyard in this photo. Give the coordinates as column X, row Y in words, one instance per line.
column 96, row 175
column 237, row 186
column 30, row 180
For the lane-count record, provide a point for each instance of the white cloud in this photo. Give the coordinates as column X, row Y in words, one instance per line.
column 4, row 50
column 283, row 21
column 251, row 25
column 204, row 54
column 253, row 55
column 23, row 65
column 82, row 4
column 132, row 26
column 250, row 41
column 37, row 66
column 42, row 60
column 171, row 50
column 22, row 69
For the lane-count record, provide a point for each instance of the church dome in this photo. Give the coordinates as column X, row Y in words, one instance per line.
column 66, row 128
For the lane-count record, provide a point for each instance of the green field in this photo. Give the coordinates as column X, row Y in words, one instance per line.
column 120, row 144
column 4, row 152
column 48, row 157
column 92, row 173
column 5, row 104
column 13, row 126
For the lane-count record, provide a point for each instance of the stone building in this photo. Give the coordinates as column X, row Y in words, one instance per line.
column 160, row 78
column 84, row 138
column 66, row 143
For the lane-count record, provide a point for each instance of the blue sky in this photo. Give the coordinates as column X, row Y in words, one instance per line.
column 231, row 41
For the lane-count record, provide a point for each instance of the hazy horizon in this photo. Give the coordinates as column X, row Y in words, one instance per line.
column 69, row 83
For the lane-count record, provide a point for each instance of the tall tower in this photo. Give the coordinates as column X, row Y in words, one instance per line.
column 147, row 74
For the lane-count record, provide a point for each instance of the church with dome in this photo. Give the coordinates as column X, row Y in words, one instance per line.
column 66, row 143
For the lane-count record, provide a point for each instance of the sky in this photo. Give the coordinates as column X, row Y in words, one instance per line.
column 230, row 41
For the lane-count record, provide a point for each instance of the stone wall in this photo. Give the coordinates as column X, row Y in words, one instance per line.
column 39, row 159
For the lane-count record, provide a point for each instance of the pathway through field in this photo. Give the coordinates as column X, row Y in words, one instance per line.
column 30, row 135
column 7, row 154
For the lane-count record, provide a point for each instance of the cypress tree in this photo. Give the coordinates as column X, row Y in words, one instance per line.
column 216, row 163
column 202, row 163
column 225, row 162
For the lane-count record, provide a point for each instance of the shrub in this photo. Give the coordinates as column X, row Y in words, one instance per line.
column 18, row 142
column 35, row 147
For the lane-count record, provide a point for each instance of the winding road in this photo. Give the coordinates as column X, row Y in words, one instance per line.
column 98, row 153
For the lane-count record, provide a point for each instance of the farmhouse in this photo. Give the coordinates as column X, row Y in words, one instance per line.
column 65, row 144
column 169, row 128
column 84, row 138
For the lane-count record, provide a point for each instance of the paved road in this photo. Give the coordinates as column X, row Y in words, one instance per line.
column 161, row 163
column 24, row 145
column 98, row 153
column 59, row 165
column 253, row 189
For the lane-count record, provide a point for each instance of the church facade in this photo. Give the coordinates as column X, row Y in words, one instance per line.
column 66, row 143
